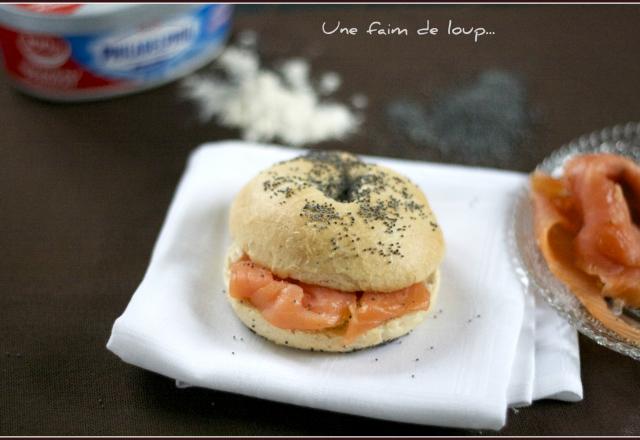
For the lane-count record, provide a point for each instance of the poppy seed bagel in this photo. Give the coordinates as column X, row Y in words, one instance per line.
column 329, row 219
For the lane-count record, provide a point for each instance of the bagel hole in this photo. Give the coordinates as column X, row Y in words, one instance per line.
column 351, row 191
column 345, row 191
column 341, row 187
column 344, row 196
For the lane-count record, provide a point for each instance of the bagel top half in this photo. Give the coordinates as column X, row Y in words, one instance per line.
column 329, row 219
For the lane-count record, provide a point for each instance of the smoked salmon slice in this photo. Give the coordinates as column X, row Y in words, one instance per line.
column 375, row 308
column 294, row 305
column 608, row 244
column 587, row 227
column 285, row 304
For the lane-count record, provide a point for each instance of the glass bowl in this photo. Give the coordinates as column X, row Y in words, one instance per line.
column 623, row 139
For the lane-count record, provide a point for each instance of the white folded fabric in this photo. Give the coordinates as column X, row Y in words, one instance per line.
column 486, row 345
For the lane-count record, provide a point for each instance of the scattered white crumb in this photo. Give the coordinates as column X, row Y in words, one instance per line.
column 359, row 101
column 330, row 82
column 268, row 105
column 296, row 73
column 248, row 38
column 239, row 64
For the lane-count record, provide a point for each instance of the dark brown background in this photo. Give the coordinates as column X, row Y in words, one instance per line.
column 84, row 189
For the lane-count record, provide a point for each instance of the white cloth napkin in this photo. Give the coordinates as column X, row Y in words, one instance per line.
column 487, row 344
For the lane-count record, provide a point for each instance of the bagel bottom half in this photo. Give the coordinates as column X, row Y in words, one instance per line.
column 330, row 339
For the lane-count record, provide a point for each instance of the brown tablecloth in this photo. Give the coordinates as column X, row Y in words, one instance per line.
column 84, row 189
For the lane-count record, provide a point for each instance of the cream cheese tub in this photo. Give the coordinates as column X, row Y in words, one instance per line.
column 74, row 52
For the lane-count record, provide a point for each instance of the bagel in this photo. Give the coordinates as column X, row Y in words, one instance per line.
column 327, row 220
